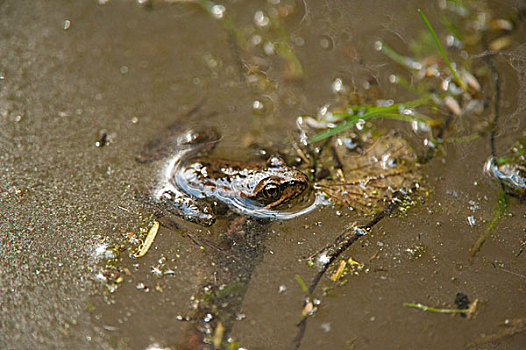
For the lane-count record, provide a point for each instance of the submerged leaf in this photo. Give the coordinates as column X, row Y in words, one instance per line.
column 368, row 179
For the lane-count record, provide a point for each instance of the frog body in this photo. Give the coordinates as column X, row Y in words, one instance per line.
column 191, row 180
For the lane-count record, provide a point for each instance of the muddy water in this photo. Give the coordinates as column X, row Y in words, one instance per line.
column 131, row 70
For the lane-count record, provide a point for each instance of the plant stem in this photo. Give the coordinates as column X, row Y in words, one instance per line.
column 441, row 49
column 302, row 285
column 433, row 309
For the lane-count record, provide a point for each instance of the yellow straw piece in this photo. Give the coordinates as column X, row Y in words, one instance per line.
column 149, row 240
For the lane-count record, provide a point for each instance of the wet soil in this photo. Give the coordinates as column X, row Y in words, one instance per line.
column 73, row 71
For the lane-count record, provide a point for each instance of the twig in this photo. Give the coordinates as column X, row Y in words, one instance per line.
column 496, row 107
column 334, row 250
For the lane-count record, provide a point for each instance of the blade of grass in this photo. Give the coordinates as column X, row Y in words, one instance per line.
column 416, row 117
column 302, row 285
column 499, row 210
column 442, row 52
column 365, row 112
column 284, row 50
column 391, row 107
column 353, row 119
column 402, row 60
column 416, row 89
column 340, row 127
column 433, row 309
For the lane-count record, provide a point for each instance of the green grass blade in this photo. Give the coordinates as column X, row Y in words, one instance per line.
column 442, row 51
column 340, row 127
column 433, row 309
column 377, row 112
column 402, row 60
column 302, row 285
column 499, row 209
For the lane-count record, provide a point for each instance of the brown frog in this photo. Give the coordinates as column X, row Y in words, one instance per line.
column 192, row 183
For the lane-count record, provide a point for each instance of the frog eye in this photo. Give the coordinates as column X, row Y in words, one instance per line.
column 271, row 191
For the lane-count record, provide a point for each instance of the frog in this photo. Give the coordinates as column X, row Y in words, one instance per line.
column 193, row 185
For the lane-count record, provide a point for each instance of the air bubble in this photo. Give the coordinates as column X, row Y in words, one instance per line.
column 419, row 126
column 326, row 42
column 385, row 103
column 268, row 47
column 337, row 86
column 299, row 41
column 260, row 19
column 211, row 62
column 258, row 106
column 360, row 124
column 218, row 11
column 255, row 40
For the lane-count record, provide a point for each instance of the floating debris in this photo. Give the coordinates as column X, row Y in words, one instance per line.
column 501, row 24
column 157, row 346
column 470, row 80
column 104, row 138
column 453, row 105
column 417, row 251
column 339, row 271
column 149, row 240
column 346, row 267
column 308, row 309
column 218, row 335
column 467, row 312
column 462, row 302
column 501, row 43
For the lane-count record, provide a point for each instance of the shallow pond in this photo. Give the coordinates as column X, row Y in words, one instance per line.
column 84, row 85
